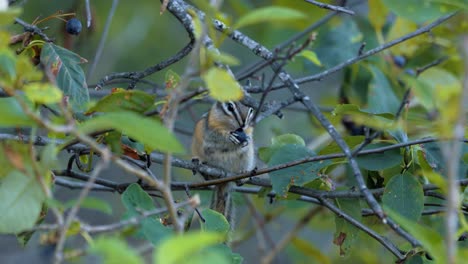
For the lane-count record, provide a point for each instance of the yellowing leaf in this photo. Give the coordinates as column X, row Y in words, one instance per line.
column 222, row 86
column 377, row 14
column 143, row 129
column 400, row 28
column 179, row 248
column 43, row 93
column 269, row 14
column 311, row 56
column 223, row 58
column 115, row 250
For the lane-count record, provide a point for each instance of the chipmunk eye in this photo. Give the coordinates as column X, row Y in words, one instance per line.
column 230, row 107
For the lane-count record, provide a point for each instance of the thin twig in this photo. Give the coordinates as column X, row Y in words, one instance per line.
column 322, row 75
column 103, row 39
column 331, row 7
column 33, row 29
column 58, row 255
column 88, row 14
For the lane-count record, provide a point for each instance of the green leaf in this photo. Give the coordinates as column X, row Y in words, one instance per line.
column 123, row 100
column 381, row 98
column 115, row 250
column 12, row 114
column 277, row 142
column 434, row 157
column 430, row 239
column 222, row 85
column 154, row 230
column 71, row 79
column 418, row 11
column 171, row 79
column 362, row 117
column 336, row 44
column 179, row 249
column 269, row 14
column 404, row 195
column 379, row 161
column 42, row 93
column 21, row 201
column 7, row 64
column 49, row 155
column 215, row 222
column 136, row 200
column 311, row 56
column 92, row 203
column 428, row 172
column 143, row 129
column 346, row 233
column 298, row 175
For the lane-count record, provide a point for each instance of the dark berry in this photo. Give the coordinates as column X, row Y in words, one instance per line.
column 73, row 26
column 399, row 61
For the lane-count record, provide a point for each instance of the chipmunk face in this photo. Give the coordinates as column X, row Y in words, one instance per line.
column 234, row 115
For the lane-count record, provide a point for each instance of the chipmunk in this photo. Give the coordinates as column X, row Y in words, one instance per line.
column 223, row 139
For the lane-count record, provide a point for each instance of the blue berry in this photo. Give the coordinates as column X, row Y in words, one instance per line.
column 73, row 26
column 399, row 61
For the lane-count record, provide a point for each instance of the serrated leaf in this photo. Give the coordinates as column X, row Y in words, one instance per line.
column 21, row 201
column 123, row 100
column 311, row 56
column 298, row 175
column 136, row 200
column 346, row 233
column 70, row 78
column 278, row 141
column 419, row 11
column 215, row 222
column 42, row 93
column 222, row 85
column 381, row 98
column 12, row 114
column 176, row 249
column 404, row 195
column 143, row 129
column 269, row 14
column 115, row 250
column 430, row 239
column 379, row 161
